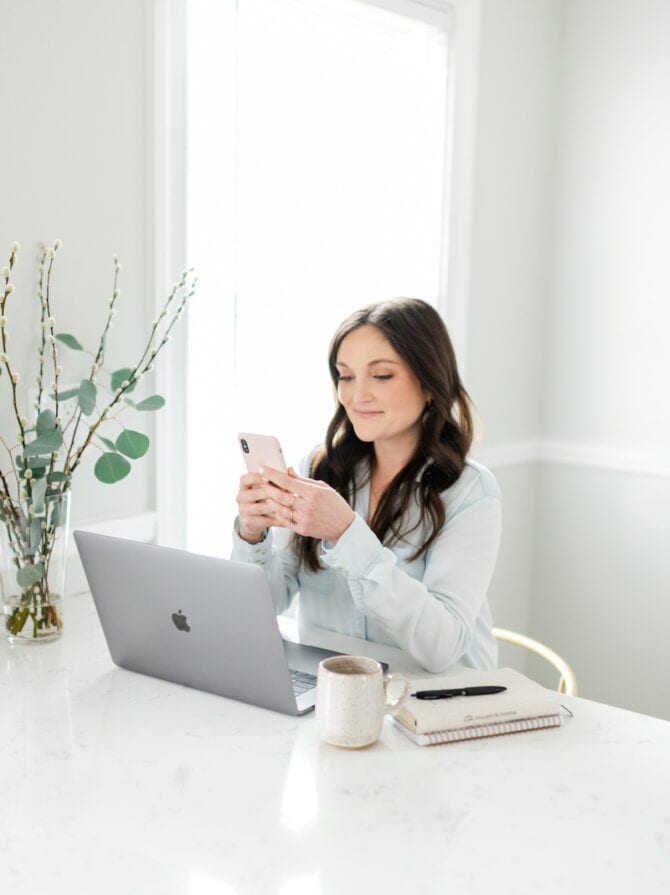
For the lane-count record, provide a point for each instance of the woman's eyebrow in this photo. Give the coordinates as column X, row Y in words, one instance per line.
column 381, row 360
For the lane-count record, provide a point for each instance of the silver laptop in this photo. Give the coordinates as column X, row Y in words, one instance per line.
column 198, row 621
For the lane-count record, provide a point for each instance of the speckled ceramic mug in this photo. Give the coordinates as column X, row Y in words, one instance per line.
column 352, row 699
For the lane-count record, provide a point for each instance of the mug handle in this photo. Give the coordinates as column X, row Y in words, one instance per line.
column 390, row 705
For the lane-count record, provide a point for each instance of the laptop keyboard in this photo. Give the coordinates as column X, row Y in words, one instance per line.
column 302, row 681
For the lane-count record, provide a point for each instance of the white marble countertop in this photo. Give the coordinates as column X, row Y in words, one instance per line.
column 117, row 783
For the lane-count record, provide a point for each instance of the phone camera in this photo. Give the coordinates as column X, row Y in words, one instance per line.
column 245, row 446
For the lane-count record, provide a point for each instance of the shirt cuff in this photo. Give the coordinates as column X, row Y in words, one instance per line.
column 246, row 552
column 356, row 550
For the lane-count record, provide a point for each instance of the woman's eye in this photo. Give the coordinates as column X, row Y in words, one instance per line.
column 344, row 378
column 383, row 377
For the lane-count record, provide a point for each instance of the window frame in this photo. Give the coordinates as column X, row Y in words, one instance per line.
column 166, row 217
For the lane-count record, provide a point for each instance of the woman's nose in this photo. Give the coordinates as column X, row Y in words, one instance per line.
column 362, row 392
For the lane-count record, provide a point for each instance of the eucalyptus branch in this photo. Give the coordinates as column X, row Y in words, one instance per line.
column 134, row 375
column 68, row 469
column 97, row 358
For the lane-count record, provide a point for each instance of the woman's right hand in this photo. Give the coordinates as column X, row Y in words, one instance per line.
column 254, row 512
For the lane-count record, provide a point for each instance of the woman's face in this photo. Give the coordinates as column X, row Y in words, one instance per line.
column 382, row 397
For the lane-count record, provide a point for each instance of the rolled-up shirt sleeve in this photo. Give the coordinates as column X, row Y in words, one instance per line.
column 434, row 618
column 280, row 565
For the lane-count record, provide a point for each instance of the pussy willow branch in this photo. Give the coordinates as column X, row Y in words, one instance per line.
column 11, row 458
column 10, row 374
column 51, row 338
column 12, row 378
column 43, row 329
column 148, row 350
column 100, row 356
column 7, row 499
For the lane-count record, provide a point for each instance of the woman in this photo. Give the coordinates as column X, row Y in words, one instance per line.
column 395, row 533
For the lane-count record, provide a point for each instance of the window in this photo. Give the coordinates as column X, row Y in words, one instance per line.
column 316, row 137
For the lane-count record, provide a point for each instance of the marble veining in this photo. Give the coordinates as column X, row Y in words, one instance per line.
column 114, row 782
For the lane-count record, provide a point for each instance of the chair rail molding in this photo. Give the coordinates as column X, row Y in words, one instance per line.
column 571, row 453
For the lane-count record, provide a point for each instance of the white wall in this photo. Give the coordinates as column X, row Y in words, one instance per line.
column 611, row 311
column 568, row 321
column 513, row 213
column 601, row 581
column 512, row 245
column 568, row 309
column 72, row 166
column 602, row 547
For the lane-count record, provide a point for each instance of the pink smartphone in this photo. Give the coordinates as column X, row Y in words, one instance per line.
column 261, row 450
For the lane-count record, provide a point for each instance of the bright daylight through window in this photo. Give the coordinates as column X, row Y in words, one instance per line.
column 316, row 157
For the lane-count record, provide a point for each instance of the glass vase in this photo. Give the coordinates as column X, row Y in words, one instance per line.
column 33, row 559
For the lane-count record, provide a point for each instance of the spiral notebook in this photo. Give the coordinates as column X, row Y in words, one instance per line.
column 525, row 705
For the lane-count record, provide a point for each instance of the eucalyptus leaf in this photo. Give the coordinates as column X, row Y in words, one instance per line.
column 153, row 402
column 57, row 513
column 35, row 535
column 38, row 492
column 66, row 395
column 59, row 476
column 132, row 444
column 30, row 574
column 45, row 421
column 120, row 376
column 37, row 471
column 48, row 443
column 107, row 442
column 70, row 341
column 88, row 394
column 37, row 464
column 111, row 468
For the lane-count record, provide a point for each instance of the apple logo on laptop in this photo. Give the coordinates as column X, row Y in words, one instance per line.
column 180, row 621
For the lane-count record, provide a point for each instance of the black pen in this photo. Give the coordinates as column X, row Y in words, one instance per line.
column 459, row 691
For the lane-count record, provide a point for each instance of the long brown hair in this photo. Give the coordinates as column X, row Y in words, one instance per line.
column 417, row 332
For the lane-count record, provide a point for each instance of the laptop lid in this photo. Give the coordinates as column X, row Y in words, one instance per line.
column 200, row 621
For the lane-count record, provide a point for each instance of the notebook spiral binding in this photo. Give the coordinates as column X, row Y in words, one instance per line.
column 500, row 728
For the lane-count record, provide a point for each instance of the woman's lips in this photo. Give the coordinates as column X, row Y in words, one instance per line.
column 367, row 413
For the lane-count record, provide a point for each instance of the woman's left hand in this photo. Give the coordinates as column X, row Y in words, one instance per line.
column 306, row 506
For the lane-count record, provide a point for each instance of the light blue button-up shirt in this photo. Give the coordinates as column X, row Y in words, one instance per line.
column 434, row 607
